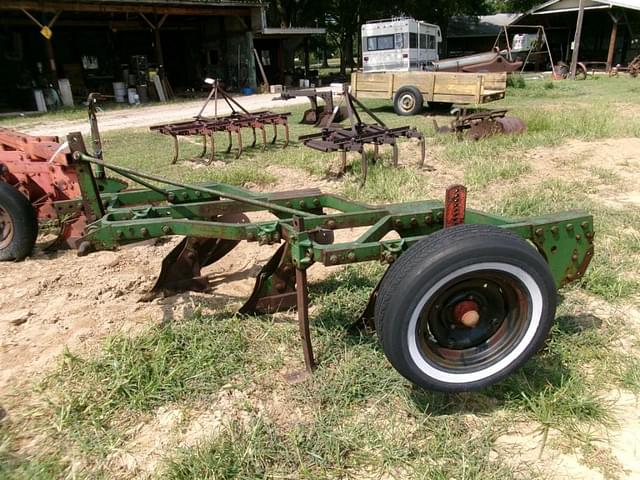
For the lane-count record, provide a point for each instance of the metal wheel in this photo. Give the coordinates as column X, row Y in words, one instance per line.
column 474, row 320
column 465, row 307
column 408, row 101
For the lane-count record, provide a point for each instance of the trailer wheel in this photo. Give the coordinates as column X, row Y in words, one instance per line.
column 408, row 101
column 18, row 224
column 464, row 308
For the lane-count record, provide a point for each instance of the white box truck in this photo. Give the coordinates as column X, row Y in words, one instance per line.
column 399, row 44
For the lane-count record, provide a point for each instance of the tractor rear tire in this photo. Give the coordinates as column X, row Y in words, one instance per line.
column 408, row 101
column 465, row 307
column 18, row 224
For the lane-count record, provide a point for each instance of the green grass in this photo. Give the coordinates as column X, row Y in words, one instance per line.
column 357, row 417
column 93, row 397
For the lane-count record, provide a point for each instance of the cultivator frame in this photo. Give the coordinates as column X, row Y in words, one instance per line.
column 240, row 118
column 212, row 218
column 353, row 139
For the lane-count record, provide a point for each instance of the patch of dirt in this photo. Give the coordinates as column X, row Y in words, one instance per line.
column 145, row 116
column 53, row 300
column 616, row 158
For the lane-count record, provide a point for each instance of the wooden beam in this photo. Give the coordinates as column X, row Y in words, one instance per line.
column 576, row 42
column 612, row 43
column 134, row 7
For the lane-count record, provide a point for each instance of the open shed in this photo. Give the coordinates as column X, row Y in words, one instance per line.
column 95, row 44
column 610, row 33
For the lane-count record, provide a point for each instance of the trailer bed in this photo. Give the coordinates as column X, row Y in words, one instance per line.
column 436, row 87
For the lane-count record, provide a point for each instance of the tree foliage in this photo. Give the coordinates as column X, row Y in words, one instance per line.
column 343, row 18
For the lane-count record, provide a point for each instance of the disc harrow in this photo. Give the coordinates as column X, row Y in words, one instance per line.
column 483, row 124
column 231, row 124
column 334, row 138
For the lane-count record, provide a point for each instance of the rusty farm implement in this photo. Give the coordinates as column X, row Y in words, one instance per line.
column 232, row 124
column 335, row 138
column 468, row 296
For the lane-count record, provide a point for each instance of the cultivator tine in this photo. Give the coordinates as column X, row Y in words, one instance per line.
column 364, row 167
column 423, row 150
column 212, row 158
column 394, row 148
column 263, row 132
column 204, row 145
column 239, row 152
column 230, row 141
column 255, row 139
column 376, row 152
column 343, row 162
column 286, row 135
column 275, row 288
column 176, row 147
column 275, row 134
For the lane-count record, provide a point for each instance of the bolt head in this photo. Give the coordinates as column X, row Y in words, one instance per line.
column 352, row 256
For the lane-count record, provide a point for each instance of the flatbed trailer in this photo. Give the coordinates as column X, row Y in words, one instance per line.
column 409, row 91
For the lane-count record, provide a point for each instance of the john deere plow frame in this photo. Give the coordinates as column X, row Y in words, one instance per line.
column 213, row 219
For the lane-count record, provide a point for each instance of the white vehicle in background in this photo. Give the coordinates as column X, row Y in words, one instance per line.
column 399, row 44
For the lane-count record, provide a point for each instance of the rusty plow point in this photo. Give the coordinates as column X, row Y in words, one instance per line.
column 275, row 289
column 255, row 138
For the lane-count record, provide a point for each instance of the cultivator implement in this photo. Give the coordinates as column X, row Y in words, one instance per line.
column 353, row 139
column 478, row 125
column 232, row 125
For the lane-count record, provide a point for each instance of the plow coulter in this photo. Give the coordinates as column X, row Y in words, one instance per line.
column 468, row 296
column 232, row 125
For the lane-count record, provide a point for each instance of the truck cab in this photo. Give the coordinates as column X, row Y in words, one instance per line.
column 399, row 44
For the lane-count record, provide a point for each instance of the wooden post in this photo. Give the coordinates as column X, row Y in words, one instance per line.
column 576, row 42
column 612, row 43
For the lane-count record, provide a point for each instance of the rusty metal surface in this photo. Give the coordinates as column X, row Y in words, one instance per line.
column 335, row 138
column 483, row 124
column 232, row 124
column 455, row 205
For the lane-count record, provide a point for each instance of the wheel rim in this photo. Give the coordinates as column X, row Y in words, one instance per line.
column 475, row 322
column 6, row 229
column 407, row 102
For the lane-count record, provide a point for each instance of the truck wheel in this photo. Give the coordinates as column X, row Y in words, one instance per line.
column 464, row 308
column 18, row 224
column 408, row 101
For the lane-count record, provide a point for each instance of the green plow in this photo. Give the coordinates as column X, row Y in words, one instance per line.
column 467, row 299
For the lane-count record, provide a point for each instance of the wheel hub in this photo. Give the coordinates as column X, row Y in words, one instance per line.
column 407, row 102
column 6, row 229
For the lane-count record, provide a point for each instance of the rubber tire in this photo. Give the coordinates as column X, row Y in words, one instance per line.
column 433, row 258
column 25, row 223
column 418, row 101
